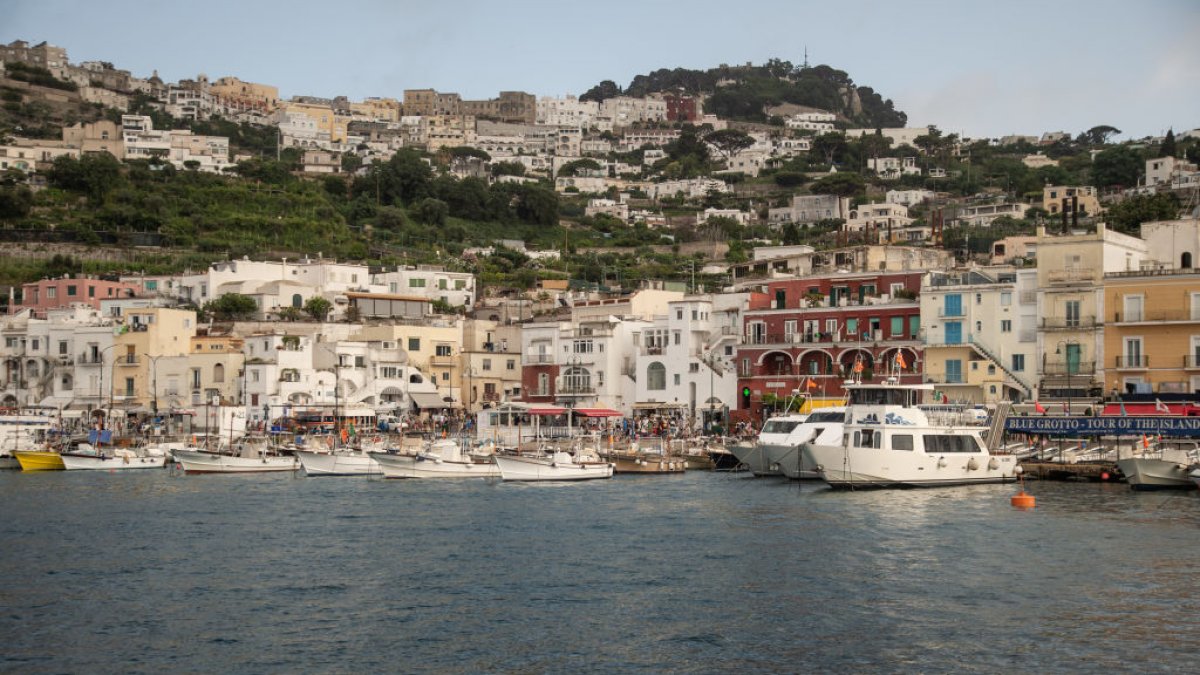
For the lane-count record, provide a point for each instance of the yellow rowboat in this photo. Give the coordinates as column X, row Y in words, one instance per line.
column 39, row 460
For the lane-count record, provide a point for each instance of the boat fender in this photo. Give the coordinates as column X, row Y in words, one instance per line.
column 553, row 465
column 127, row 459
column 973, row 464
column 994, row 464
column 941, row 463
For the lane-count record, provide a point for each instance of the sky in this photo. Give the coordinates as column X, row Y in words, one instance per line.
column 979, row 69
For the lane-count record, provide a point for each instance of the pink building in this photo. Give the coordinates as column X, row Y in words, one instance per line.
column 54, row 293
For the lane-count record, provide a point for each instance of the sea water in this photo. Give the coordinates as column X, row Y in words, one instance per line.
column 154, row 572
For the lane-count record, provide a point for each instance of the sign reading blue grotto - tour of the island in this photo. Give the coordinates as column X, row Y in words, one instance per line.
column 1105, row 426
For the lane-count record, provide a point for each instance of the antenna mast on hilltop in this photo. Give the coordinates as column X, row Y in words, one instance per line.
column 806, row 57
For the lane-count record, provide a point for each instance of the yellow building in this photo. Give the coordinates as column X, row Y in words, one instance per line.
column 1070, row 305
column 378, row 109
column 322, row 116
column 491, row 359
column 1152, row 331
column 151, row 349
column 214, row 369
column 246, row 95
column 1083, row 200
column 434, row 346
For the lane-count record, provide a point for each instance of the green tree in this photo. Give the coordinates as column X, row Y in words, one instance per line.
column 15, row 202
column 93, row 174
column 789, row 179
column 508, row 169
column 729, row 141
column 232, row 307
column 317, row 307
column 831, row 146
column 1128, row 214
column 431, row 211
column 1098, row 135
column 1168, row 148
column 575, row 166
column 840, row 184
column 605, row 90
column 1120, row 166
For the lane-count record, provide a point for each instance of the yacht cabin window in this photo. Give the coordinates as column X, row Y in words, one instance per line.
column 868, row 438
column 779, row 426
column 938, row 444
column 873, row 396
column 902, row 442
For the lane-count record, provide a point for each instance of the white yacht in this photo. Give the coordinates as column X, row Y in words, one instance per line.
column 249, row 455
column 1170, row 468
column 442, row 459
column 890, row 441
column 84, row 456
column 823, row 427
column 558, row 466
column 773, row 446
column 341, row 462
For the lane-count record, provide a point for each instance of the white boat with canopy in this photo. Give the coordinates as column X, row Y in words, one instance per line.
column 441, row 459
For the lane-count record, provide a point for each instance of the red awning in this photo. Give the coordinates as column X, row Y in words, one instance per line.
column 544, row 410
column 597, row 412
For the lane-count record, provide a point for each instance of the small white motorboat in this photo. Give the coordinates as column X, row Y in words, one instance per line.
column 113, row 459
column 249, row 456
column 344, row 462
column 558, row 466
column 441, row 459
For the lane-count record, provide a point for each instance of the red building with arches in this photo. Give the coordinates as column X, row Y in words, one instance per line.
column 817, row 329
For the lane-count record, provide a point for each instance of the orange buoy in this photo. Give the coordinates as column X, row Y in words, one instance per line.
column 1023, row 500
column 1104, row 476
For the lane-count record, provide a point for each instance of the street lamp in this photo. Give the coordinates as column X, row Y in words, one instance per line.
column 100, row 391
column 1067, row 365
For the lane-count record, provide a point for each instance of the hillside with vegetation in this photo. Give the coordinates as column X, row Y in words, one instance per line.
column 746, row 93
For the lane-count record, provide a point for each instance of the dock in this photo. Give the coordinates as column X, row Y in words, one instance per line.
column 1088, row 471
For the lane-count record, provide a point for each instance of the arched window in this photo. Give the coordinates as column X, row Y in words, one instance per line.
column 415, row 378
column 67, row 382
column 543, row 384
column 576, row 379
column 219, row 372
column 656, row 376
column 297, row 301
column 1185, row 260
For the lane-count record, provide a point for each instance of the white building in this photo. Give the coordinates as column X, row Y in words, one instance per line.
column 609, row 207
column 982, row 215
column 567, row 111
column 178, row 146
column 909, row 198
column 741, row 217
column 456, row 289
column 880, row 218
column 807, row 209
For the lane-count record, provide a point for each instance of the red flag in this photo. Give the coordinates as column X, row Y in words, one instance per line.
column 1038, row 407
column 811, row 384
column 900, row 361
column 858, row 366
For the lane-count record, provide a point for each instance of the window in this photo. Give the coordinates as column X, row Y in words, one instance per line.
column 656, row 376
column 360, row 362
column 676, row 337
column 511, row 364
column 954, row 371
column 441, row 284
column 1018, row 363
column 1005, row 325
column 938, row 444
column 677, row 380
column 487, row 364
column 446, row 376
column 51, row 293
column 71, row 290
column 1006, row 298
column 416, row 283
column 679, row 314
column 219, row 373
column 92, row 291
column 441, row 350
column 897, row 326
column 414, row 344
column 902, row 442
column 62, row 347
column 1133, row 307
column 459, row 284
column 1071, row 313
column 195, row 378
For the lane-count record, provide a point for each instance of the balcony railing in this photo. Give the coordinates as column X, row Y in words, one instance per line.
column 821, row 338
column 576, row 390
column 944, row 313
column 127, row 360
column 1191, row 361
column 1068, row 323
column 442, row 360
column 1133, row 361
column 1072, row 276
column 90, row 359
column 1064, row 369
column 1147, row 316
column 537, row 360
column 490, row 396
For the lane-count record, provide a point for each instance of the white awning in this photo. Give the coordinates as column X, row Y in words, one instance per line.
column 428, row 400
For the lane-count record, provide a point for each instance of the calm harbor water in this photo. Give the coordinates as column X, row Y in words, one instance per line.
column 701, row 572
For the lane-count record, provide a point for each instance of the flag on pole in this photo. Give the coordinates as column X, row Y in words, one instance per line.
column 900, row 361
column 1161, row 407
column 811, row 384
column 1038, row 407
column 858, row 366
column 1123, row 413
column 1145, row 442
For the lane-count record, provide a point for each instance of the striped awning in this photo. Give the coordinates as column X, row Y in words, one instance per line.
column 597, row 412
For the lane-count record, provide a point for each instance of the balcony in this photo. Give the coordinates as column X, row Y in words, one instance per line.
column 537, row 359
column 490, row 396
column 572, row 389
column 1156, row 316
column 1191, row 361
column 90, row 359
column 1133, row 362
column 655, row 350
column 1086, row 322
column 1072, row 276
column 817, row 338
column 443, row 360
column 1083, row 368
column 128, row 360
column 944, row 313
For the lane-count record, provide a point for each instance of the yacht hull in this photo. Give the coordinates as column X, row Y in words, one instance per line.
column 542, row 469
column 194, row 461
column 338, row 464
column 99, row 463
column 1144, row 473
column 754, row 457
column 416, row 466
column 39, row 460
column 866, row 467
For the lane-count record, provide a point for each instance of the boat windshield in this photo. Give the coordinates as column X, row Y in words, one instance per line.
column 881, row 396
column 779, row 426
column 827, row 417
